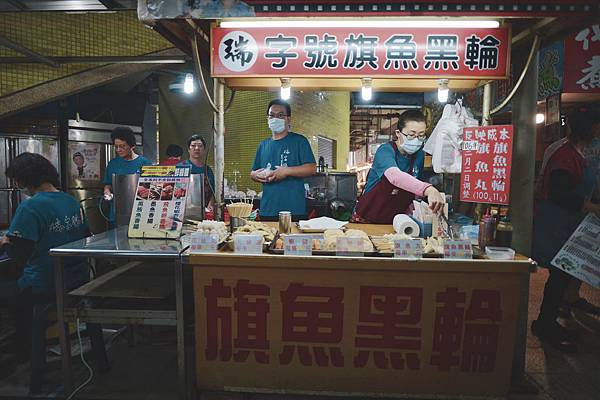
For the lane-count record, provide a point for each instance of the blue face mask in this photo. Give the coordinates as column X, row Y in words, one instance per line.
column 276, row 125
column 411, row 146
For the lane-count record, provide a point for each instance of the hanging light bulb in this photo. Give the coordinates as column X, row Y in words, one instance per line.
column 443, row 90
column 188, row 84
column 286, row 89
column 539, row 118
column 367, row 89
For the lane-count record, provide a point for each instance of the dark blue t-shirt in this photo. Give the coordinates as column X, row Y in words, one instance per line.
column 50, row 219
column 386, row 157
column 121, row 166
column 288, row 194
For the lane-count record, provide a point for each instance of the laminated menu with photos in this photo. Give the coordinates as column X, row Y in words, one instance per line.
column 159, row 205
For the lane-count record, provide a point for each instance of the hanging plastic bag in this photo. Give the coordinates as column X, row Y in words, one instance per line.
column 445, row 141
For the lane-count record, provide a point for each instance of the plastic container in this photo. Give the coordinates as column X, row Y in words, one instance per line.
column 499, row 253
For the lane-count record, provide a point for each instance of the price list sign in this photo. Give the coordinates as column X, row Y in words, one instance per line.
column 486, row 164
column 159, row 205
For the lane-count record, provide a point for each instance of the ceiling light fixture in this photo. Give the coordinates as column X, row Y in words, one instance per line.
column 540, row 118
column 188, row 84
column 443, row 90
column 367, row 89
column 286, row 89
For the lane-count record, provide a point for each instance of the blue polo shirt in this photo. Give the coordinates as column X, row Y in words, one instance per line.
column 288, row 194
column 50, row 219
column 386, row 157
column 121, row 166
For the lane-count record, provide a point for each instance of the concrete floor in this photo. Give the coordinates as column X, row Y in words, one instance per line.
column 147, row 371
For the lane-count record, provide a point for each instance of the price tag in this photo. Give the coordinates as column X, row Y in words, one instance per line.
column 350, row 246
column 204, row 242
column 297, row 245
column 408, row 248
column 459, row 249
column 248, row 243
column 470, row 145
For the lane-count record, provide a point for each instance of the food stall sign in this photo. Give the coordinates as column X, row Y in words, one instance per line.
column 159, row 205
column 582, row 72
column 244, row 243
column 458, row 249
column 350, row 246
column 204, row 242
column 297, row 245
column 372, row 52
column 408, row 248
column 486, row 164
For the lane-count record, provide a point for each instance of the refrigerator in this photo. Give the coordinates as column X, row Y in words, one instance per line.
column 11, row 145
column 88, row 149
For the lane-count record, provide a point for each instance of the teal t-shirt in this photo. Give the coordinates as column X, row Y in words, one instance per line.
column 386, row 157
column 121, row 166
column 288, row 194
column 205, row 169
column 50, row 219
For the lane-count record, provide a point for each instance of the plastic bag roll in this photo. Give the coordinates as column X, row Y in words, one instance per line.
column 405, row 224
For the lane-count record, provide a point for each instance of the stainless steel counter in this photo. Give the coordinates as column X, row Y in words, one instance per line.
column 115, row 243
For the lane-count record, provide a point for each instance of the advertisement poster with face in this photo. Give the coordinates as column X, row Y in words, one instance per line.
column 84, row 161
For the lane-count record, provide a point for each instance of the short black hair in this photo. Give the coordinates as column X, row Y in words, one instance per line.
column 581, row 121
column 124, row 133
column 78, row 154
column 31, row 169
column 279, row 102
column 195, row 137
column 410, row 115
column 174, row 150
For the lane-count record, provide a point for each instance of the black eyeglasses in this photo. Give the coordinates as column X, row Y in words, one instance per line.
column 278, row 115
column 411, row 136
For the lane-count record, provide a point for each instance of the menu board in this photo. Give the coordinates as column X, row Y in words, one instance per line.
column 486, row 164
column 159, row 205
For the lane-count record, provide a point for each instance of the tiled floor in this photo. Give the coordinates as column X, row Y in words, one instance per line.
column 148, row 371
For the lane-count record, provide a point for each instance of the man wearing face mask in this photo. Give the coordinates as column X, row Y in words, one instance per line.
column 393, row 181
column 281, row 164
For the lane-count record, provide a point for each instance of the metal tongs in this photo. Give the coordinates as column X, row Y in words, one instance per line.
column 448, row 232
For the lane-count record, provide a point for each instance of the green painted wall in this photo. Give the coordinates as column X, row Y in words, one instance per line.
column 246, row 124
column 63, row 35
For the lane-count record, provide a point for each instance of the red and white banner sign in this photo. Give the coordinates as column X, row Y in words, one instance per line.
column 486, row 164
column 582, row 61
column 369, row 52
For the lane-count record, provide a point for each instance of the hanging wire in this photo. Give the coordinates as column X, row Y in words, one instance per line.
column 198, row 65
column 534, row 48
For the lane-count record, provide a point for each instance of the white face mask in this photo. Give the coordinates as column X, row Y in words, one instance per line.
column 276, row 125
column 411, row 146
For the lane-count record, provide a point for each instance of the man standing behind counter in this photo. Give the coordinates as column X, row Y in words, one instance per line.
column 281, row 164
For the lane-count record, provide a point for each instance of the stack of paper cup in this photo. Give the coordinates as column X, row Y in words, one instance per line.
column 406, row 225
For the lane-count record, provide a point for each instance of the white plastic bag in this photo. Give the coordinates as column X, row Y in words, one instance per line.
column 446, row 139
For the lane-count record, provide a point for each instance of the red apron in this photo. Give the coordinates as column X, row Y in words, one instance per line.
column 381, row 204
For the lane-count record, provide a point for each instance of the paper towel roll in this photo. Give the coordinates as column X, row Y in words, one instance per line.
column 405, row 224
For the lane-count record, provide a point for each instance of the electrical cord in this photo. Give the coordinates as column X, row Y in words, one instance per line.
column 91, row 376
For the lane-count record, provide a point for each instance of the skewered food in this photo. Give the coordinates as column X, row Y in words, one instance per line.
column 217, row 227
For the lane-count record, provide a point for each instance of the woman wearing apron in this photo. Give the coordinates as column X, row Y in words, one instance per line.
column 562, row 201
column 393, row 180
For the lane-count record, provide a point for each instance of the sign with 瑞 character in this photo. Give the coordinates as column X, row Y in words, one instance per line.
column 374, row 52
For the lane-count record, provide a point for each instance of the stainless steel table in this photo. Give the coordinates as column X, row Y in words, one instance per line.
column 115, row 244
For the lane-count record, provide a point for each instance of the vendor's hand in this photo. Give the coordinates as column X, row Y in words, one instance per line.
column 435, row 200
column 256, row 176
column 108, row 195
column 279, row 174
column 4, row 240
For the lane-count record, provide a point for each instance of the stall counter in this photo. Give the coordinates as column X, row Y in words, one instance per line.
column 357, row 326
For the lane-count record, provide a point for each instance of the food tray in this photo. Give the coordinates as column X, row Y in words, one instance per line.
column 343, row 229
column 273, row 250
